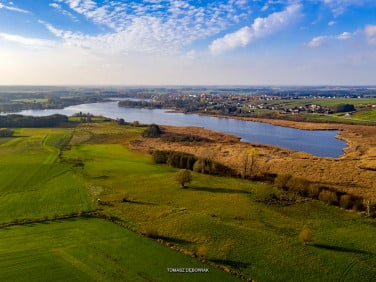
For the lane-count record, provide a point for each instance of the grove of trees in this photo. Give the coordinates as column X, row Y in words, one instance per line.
column 31, row 121
column 6, row 132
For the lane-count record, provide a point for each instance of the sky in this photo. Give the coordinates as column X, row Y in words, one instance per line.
column 168, row 42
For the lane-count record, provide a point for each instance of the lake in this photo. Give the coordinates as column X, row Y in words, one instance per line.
column 322, row 143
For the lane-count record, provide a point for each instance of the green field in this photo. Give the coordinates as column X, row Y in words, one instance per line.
column 91, row 250
column 366, row 115
column 37, row 186
column 32, row 100
column 364, row 112
column 326, row 102
column 229, row 222
column 33, row 184
column 226, row 221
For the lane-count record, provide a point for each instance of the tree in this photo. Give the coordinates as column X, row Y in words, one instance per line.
column 152, row 131
column 367, row 205
column 183, row 176
column 328, row 197
column 249, row 163
column 305, row 235
column 340, row 108
column 5, row 132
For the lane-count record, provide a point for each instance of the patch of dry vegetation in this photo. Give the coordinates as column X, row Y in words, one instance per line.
column 353, row 173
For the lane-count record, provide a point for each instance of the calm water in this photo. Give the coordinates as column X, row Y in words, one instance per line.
column 319, row 142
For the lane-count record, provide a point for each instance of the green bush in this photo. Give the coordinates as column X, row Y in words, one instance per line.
column 281, row 180
column 313, row 190
column 340, row 108
column 181, row 160
column 5, row 132
column 329, row 197
column 160, row 157
column 205, row 166
column 358, row 205
column 174, row 159
column 183, row 176
column 298, row 185
column 346, row 202
column 152, row 131
column 305, row 235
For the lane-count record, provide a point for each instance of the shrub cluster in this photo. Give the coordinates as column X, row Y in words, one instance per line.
column 340, row 108
column 14, row 120
column 305, row 188
column 185, row 138
column 152, row 131
column 174, row 159
column 188, row 161
column 5, row 132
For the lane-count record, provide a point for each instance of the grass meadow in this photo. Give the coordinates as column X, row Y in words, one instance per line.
column 227, row 221
column 33, row 184
column 90, row 249
column 364, row 114
column 224, row 221
column 36, row 185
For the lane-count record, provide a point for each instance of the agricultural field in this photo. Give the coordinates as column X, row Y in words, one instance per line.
column 326, row 102
column 90, row 249
column 234, row 223
column 243, row 227
column 364, row 110
column 46, row 233
column 34, row 185
column 366, row 115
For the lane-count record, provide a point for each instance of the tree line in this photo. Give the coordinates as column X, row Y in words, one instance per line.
column 188, row 161
column 305, row 188
column 6, row 132
column 14, row 120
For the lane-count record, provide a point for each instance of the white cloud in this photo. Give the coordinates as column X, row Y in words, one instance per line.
column 344, row 36
column 27, row 41
column 118, row 15
column 261, row 27
column 148, row 26
column 10, row 7
column 331, row 23
column 62, row 11
column 317, row 41
column 322, row 40
column 265, row 7
column 233, row 40
column 338, row 7
column 370, row 32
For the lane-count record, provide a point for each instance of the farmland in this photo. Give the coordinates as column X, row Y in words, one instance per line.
column 47, row 233
column 52, row 180
column 227, row 221
column 89, row 249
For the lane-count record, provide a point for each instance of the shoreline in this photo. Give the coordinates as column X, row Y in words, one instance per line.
column 353, row 172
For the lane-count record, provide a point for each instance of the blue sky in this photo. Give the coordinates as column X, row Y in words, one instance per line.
column 154, row 42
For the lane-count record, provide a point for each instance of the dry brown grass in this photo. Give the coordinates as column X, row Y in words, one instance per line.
column 354, row 172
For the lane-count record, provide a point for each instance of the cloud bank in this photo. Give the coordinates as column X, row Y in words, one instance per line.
column 260, row 28
column 151, row 27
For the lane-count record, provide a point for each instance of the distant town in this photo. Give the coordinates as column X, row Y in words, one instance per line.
column 335, row 104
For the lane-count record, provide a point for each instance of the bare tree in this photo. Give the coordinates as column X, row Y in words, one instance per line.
column 249, row 163
column 367, row 205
